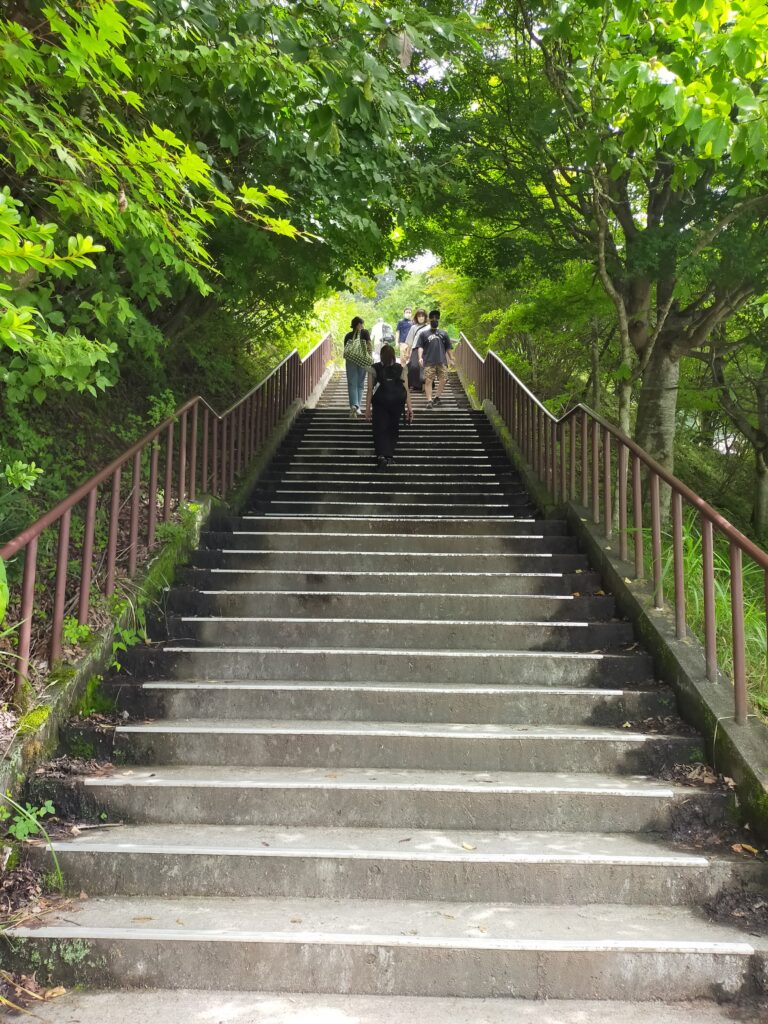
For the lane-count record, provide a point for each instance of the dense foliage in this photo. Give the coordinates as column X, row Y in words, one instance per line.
column 178, row 184
column 632, row 137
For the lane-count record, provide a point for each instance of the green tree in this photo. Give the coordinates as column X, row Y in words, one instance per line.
column 634, row 133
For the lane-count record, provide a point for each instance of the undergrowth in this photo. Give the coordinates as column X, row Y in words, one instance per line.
column 756, row 642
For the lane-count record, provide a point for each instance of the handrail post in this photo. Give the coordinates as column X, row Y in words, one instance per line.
column 708, row 573
column 658, row 591
column 607, row 485
column 182, row 458
column 27, row 610
column 86, row 562
column 737, row 633
column 204, row 453
column 114, row 522
column 60, row 593
column 154, row 460
column 595, row 472
column 133, row 529
column 168, row 485
column 623, row 468
column 193, row 456
column 679, row 563
column 637, row 516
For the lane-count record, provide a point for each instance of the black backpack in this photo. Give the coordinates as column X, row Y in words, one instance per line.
column 390, row 387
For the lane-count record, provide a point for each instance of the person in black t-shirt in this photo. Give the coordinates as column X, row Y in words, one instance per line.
column 435, row 354
column 386, row 399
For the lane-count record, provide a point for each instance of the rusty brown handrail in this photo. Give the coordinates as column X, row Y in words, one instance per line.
column 573, row 458
column 212, row 452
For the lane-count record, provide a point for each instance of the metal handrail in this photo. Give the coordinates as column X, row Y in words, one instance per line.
column 572, row 458
column 212, row 452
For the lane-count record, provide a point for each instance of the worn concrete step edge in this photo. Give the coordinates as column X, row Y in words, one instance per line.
column 467, row 866
column 407, row 948
column 431, row 702
column 396, row 606
column 386, row 798
column 198, row 1007
column 429, row 746
column 550, row 668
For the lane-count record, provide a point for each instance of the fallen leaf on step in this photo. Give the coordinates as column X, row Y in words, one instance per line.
column 627, row 579
column 179, row 921
column 74, row 831
column 263, row 843
column 295, row 920
column 54, row 993
column 468, row 846
column 626, row 725
column 83, row 895
column 599, row 593
column 451, row 917
column 576, row 593
column 406, row 840
column 136, row 920
column 731, row 785
column 744, row 848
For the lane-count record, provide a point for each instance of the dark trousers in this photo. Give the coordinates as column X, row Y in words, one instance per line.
column 386, row 427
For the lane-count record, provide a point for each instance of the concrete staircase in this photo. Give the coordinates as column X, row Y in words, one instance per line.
column 384, row 753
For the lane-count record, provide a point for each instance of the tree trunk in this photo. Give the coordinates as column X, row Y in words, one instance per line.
column 594, row 353
column 760, row 499
column 657, row 407
column 656, row 410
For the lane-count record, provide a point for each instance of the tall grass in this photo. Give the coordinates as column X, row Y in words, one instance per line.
column 756, row 642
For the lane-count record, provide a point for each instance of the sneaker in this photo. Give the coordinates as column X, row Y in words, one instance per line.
column 381, row 462
column 353, row 412
column 360, row 413
column 436, row 400
column 429, row 405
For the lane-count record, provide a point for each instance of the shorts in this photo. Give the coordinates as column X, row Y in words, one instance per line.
column 435, row 373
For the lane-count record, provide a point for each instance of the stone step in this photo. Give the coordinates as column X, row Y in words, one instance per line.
column 441, row 526
column 470, row 444
column 398, row 472
column 388, row 702
column 425, row 427
column 385, row 492
column 403, row 607
column 380, row 559
column 428, row 746
column 400, row 947
column 272, row 540
column 431, row 633
column 197, row 1007
column 521, row 668
column 388, row 798
column 385, row 864
column 355, row 581
column 392, row 510
column 417, row 462
column 378, row 483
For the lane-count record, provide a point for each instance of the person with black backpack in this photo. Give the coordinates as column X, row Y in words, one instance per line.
column 386, row 399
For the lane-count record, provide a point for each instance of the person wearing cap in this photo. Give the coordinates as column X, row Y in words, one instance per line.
column 434, row 347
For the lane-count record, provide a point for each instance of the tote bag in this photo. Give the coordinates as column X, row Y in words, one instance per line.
column 356, row 352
